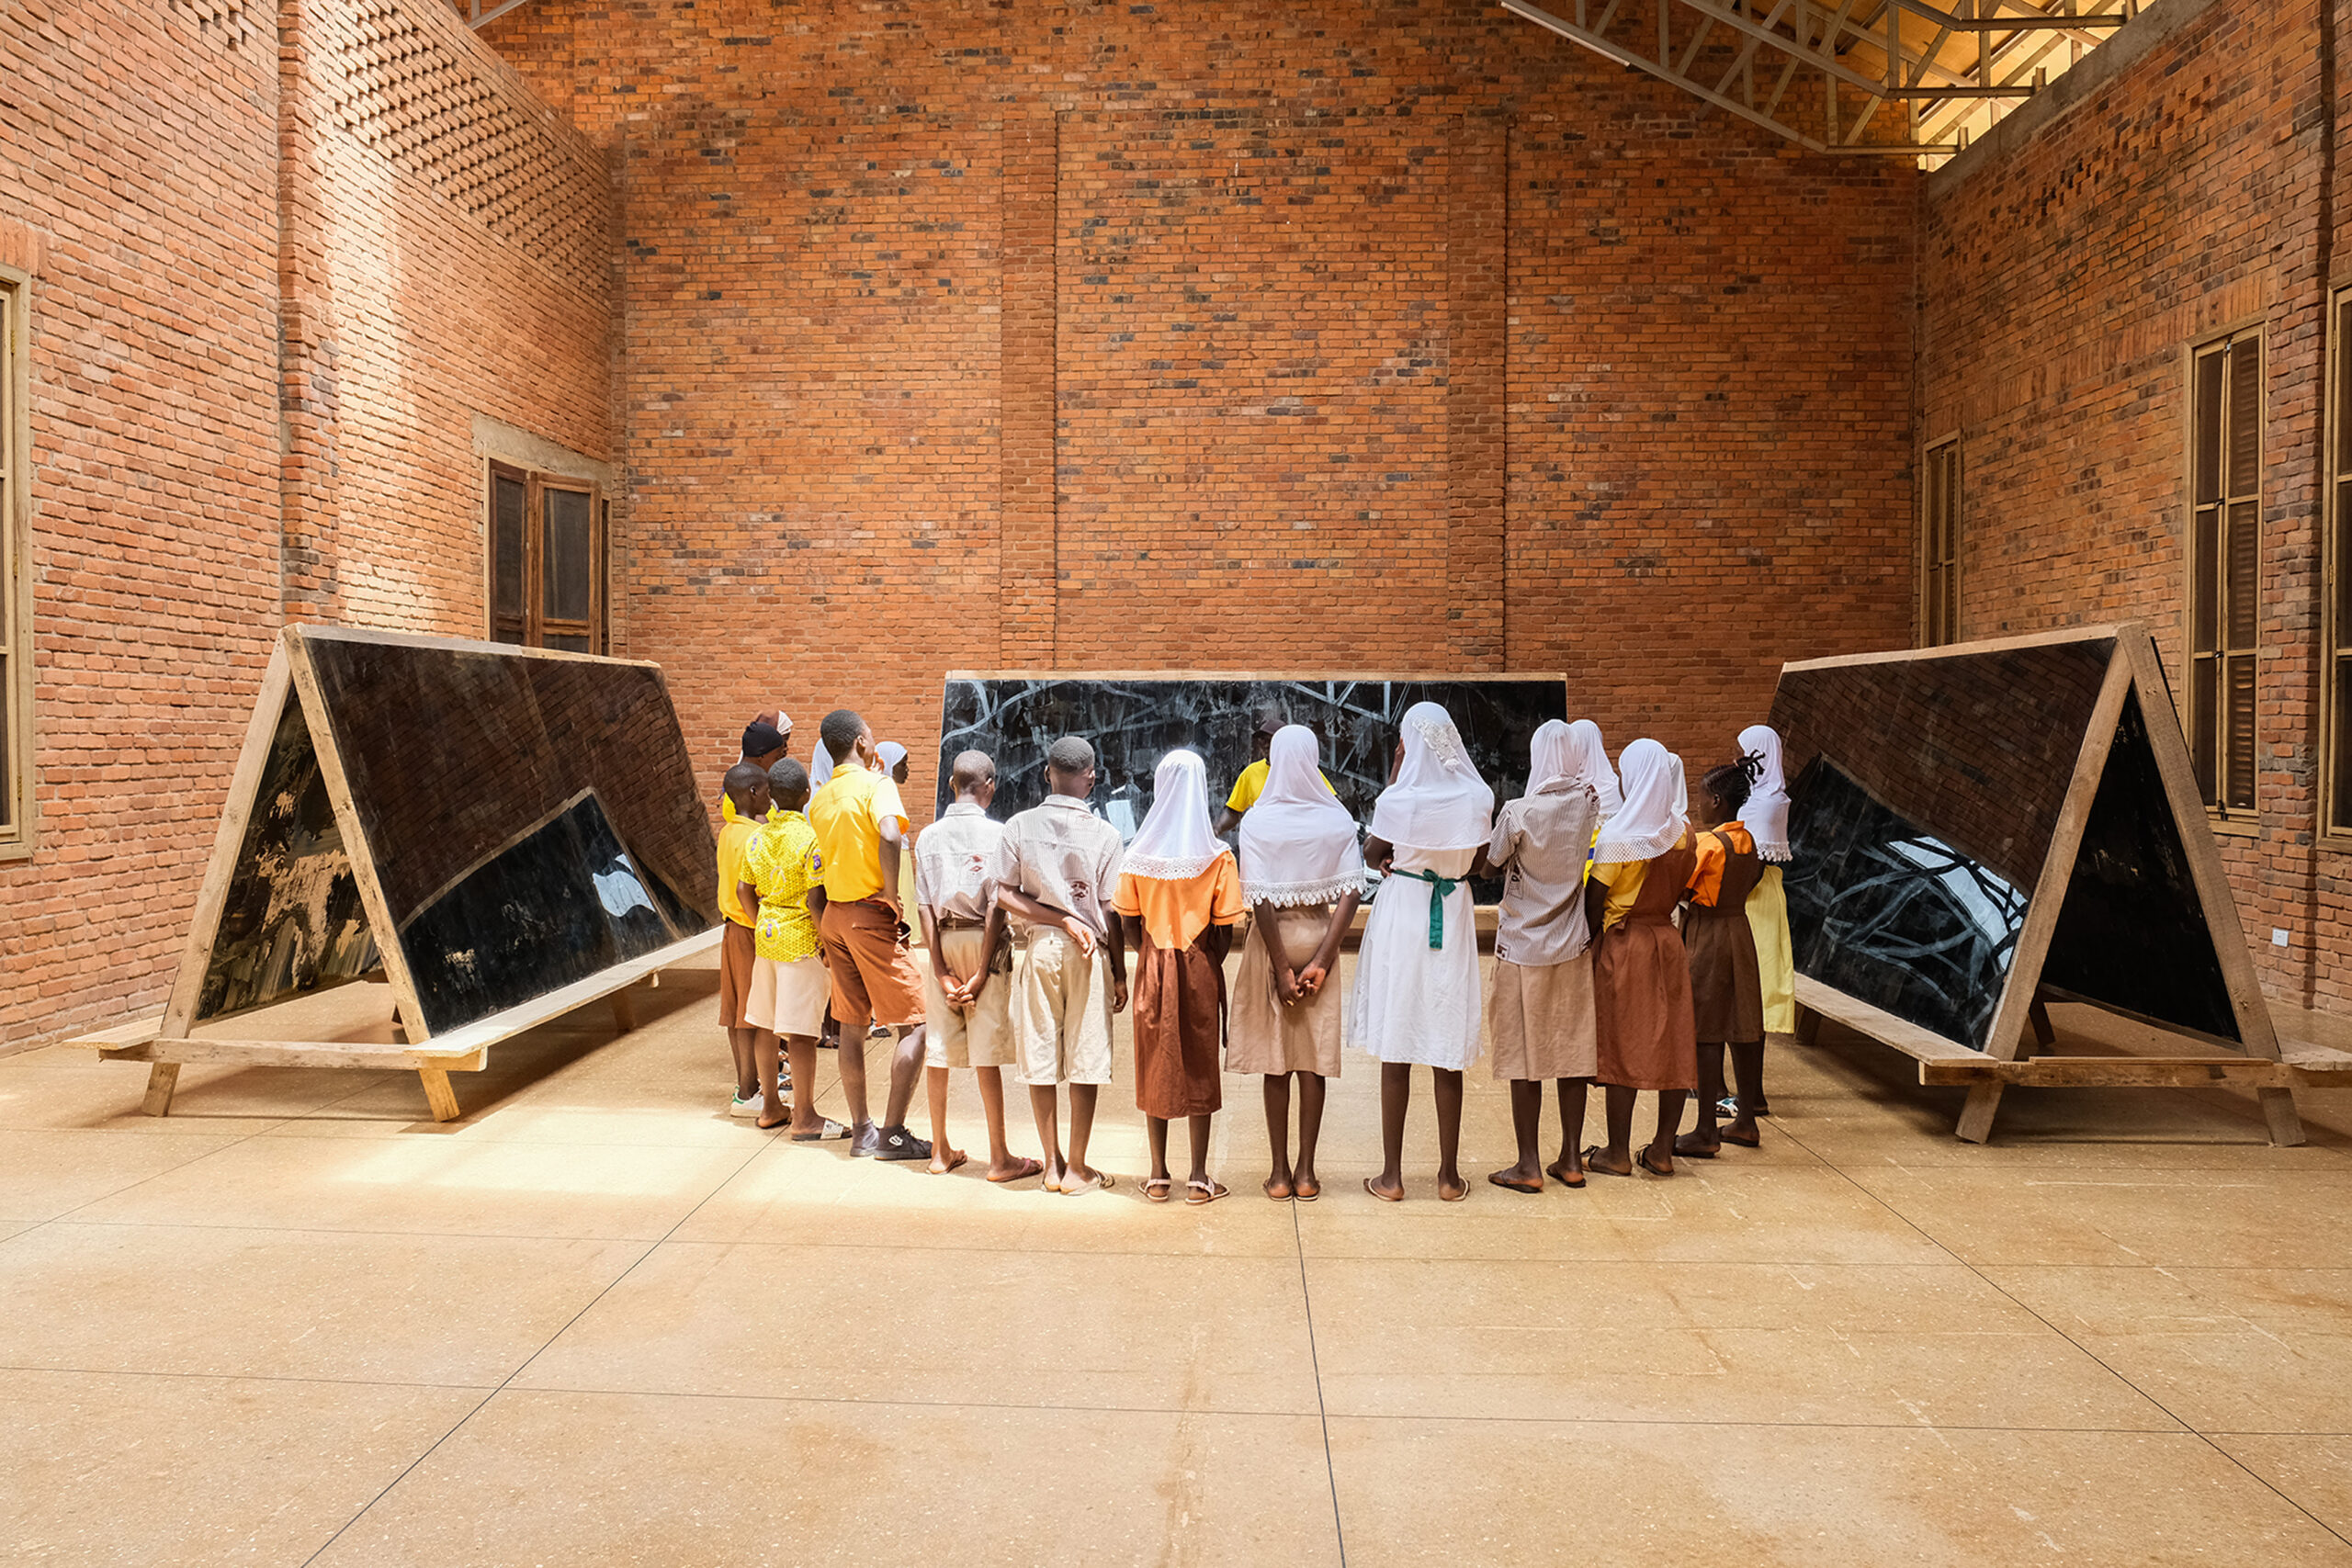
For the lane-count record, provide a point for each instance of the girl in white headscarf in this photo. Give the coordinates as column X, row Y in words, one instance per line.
column 1417, row 971
column 1539, row 1007
column 1641, row 979
column 1765, row 815
column 1592, row 766
column 1180, row 895
column 1303, row 875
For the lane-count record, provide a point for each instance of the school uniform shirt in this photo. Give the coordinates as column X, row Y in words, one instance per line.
column 1061, row 854
column 1543, row 843
column 956, row 861
column 847, row 815
column 781, row 861
column 1252, row 784
column 734, row 838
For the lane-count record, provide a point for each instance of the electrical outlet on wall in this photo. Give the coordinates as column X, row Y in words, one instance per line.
column 2277, row 936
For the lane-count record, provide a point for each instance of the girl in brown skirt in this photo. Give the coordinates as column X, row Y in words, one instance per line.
column 1178, row 895
column 1641, row 979
column 1302, row 871
column 1726, row 990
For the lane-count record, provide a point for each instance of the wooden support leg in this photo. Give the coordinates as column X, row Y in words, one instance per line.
column 624, row 1013
column 438, row 1094
column 163, row 1078
column 1976, row 1116
column 2278, row 1110
column 2044, row 1036
column 1808, row 1027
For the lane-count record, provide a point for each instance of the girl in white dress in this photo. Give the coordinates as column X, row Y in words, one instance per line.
column 1417, row 973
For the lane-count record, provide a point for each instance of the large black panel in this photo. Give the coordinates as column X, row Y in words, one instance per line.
column 2132, row 933
column 1923, row 797
column 468, row 768
column 1134, row 722
column 292, row 919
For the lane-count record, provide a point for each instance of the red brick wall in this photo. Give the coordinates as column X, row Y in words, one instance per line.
column 2062, row 282
column 1318, row 337
column 191, row 182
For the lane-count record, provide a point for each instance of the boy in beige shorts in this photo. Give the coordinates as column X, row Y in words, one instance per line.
column 968, row 989
column 1057, row 869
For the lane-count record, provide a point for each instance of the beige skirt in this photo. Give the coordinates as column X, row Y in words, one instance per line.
column 1539, row 1020
column 1262, row 1036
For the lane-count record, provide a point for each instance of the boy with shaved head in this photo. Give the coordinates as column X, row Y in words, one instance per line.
column 1059, row 866
column 861, row 827
column 968, row 995
column 746, row 804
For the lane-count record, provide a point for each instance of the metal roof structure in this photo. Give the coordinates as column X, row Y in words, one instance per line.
column 1903, row 78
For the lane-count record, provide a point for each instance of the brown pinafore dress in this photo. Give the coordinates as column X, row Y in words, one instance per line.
column 1726, row 986
column 1641, row 983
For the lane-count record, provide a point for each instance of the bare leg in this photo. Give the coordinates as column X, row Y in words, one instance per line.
column 906, row 1064
column 1278, row 1182
column 1045, row 1107
column 1659, row 1156
column 852, row 1052
column 740, row 1044
column 802, row 1049
column 1200, row 1149
column 1081, row 1128
column 945, row 1156
column 1396, row 1098
column 1747, row 1069
column 1449, row 1185
column 1702, row 1141
column 1526, row 1120
column 1310, row 1128
column 1155, row 1130
column 1617, row 1156
column 773, row 1112
column 1569, row 1167
column 1003, row 1166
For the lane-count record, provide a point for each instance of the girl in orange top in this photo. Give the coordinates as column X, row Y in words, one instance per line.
column 1178, row 895
column 1726, row 989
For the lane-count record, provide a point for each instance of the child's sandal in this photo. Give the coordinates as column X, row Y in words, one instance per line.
column 1160, row 1189
column 1199, row 1193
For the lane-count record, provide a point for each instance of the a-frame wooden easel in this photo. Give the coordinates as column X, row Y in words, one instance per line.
column 2020, row 1024
column 259, row 1037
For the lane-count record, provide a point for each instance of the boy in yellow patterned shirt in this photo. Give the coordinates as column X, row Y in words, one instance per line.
column 789, row 985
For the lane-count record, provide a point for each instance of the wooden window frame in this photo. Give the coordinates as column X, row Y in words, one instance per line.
column 2232, row 492
column 1941, row 493
column 2336, row 572
column 19, row 832
column 536, row 625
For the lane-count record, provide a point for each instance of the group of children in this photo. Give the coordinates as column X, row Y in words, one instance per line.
column 1636, row 943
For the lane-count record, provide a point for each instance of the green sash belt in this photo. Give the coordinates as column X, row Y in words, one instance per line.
column 1443, row 885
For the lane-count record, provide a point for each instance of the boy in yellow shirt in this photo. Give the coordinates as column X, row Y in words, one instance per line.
column 747, row 794
column 788, row 983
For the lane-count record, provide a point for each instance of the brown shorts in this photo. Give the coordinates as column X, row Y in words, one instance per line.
column 737, row 951
column 873, row 977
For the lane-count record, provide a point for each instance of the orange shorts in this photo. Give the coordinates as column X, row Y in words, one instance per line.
column 737, row 951
column 873, row 977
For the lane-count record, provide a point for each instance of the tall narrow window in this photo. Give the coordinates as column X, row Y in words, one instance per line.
column 1939, row 546
column 2224, row 567
column 2336, row 665
column 547, row 560
column 16, row 639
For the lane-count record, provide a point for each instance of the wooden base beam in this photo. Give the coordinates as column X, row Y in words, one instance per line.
column 163, row 1079
column 2134, row 1072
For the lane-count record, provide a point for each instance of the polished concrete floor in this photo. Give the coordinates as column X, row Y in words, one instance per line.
column 597, row 1322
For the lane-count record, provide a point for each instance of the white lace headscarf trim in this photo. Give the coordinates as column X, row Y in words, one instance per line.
column 1177, row 840
column 1438, row 802
column 1766, row 815
column 1298, row 843
column 1656, row 812
column 1592, row 766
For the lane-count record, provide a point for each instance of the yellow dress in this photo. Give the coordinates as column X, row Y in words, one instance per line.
column 1767, row 916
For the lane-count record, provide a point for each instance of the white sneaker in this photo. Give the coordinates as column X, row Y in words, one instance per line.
column 743, row 1107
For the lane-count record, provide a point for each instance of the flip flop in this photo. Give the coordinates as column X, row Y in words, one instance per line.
column 1299, row 1197
column 1102, row 1181
column 1731, row 1137
column 1029, row 1168
column 1197, row 1193
column 1557, row 1174
column 765, row 1126
column 1497, row 1177
column 1591, row 1164
column 1166, row 1184
column 832, row 1130
column 1444, row 1197
column 1694, row 1151
column 960, row 1160
column 1379, row 1194
column 1643, row 1159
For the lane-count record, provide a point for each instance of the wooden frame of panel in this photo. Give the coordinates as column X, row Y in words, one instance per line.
column 19, row 821
column 2006, row 1061
column 173, row 1037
